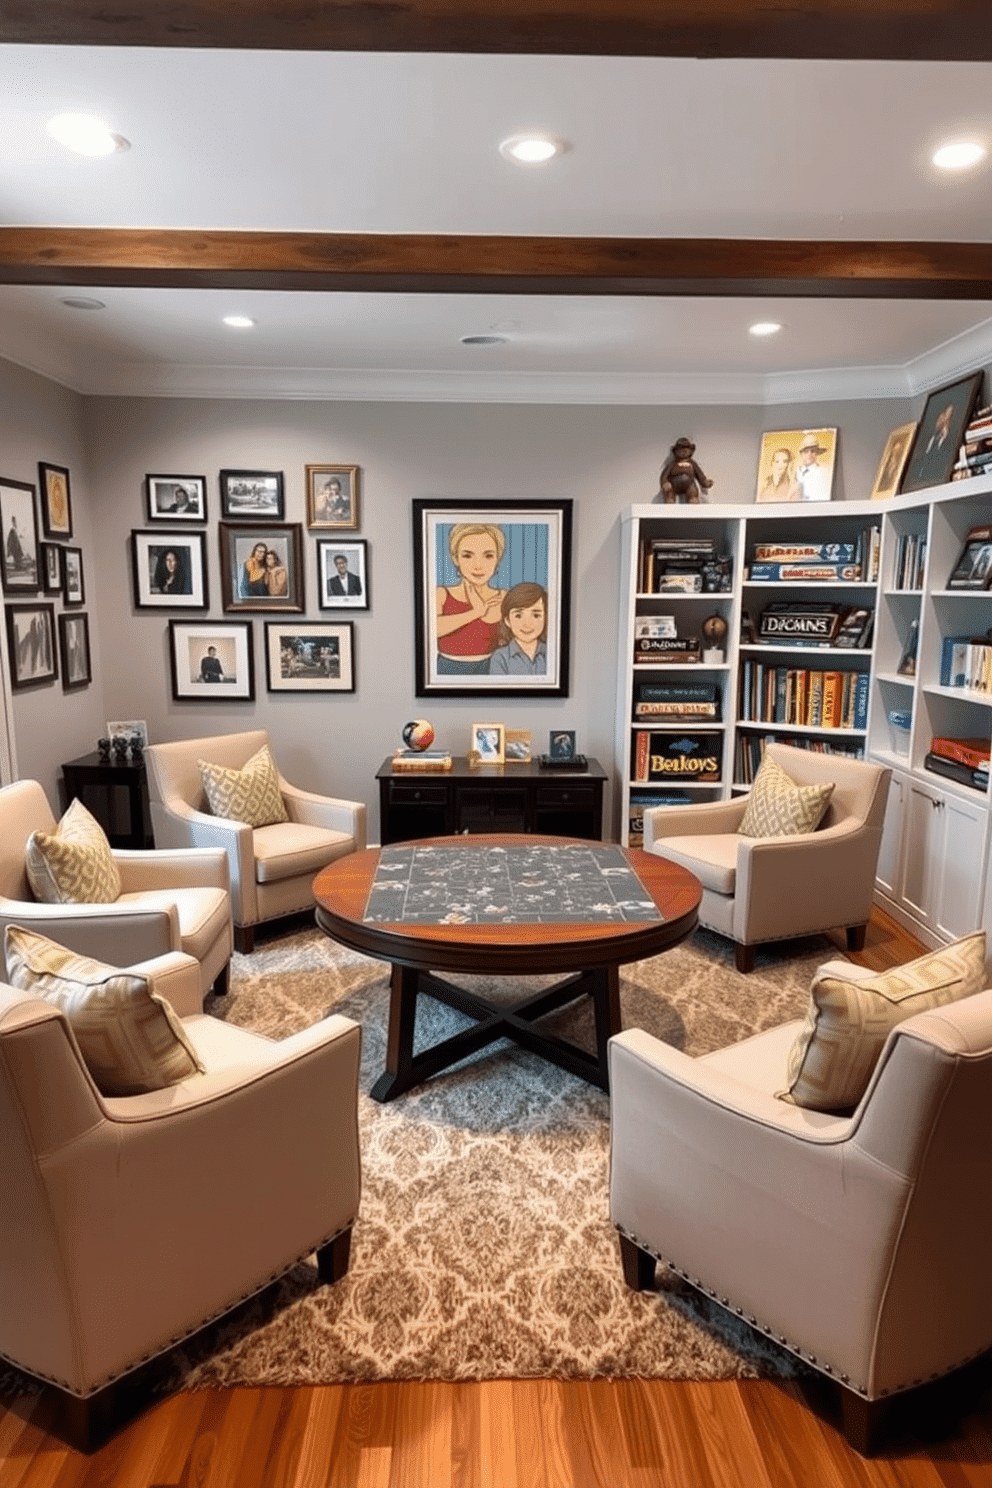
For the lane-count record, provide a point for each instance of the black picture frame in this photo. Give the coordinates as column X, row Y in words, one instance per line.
column 510, row 543
column 74, row 651
column 310, row 656
column 31, row 646
column 73, row 586
column 973, row 568
column 212, row 661
column 938, row 437
column 169, row 570
column 239, row 551
column 252, row 496
column 50, row 567
column 55, row 499
column 176, row 498
column 344, row 588
column 19, row 537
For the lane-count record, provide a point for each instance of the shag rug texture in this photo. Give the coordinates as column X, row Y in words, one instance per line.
column 483, row 1247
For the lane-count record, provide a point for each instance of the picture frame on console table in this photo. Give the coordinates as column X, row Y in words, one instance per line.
column 492, row 598
column 938, row 439
column 211, row 662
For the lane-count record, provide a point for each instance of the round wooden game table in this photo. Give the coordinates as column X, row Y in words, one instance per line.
column 591, row 951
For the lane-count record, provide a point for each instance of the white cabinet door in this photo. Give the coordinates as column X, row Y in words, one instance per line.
column 889, row 872
column 943, row 866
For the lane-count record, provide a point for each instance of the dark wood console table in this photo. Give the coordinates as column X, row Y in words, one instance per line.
column 489, row 798
column 116, row 794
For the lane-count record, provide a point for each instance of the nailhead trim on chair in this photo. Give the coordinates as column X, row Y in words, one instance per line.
column 52, row 1379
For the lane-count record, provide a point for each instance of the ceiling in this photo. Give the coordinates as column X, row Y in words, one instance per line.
column 354, row 204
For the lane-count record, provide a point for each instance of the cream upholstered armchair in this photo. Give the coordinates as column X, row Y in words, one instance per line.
column 168, row 901
column 857, row 1240
column 272, row 867
column 130, row 1221
column 774, row 888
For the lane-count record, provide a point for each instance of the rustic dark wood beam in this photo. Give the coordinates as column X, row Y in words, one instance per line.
column 902, row 30
column 451, row 264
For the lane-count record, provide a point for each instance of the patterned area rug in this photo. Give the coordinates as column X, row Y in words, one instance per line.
column 483, row 1248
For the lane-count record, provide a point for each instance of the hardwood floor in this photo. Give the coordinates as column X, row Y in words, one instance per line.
column 522, row 1434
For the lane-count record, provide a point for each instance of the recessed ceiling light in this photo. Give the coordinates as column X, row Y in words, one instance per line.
column 959, row 155
column 239, row 322
column 531, row 149
column 765, row 327
column 483, row 340
column 86, row 135
column 82, row 302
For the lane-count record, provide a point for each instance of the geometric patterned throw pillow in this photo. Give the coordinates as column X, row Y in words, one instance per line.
column 835, row 1052
column 249, row 795
column 130, row 1038
column 74, row 864
column 777, row 807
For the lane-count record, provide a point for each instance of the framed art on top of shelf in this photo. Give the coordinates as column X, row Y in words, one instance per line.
column 261, row 568
column 893, row 461
column 176, row 498
column 19, row 529
column 309, row 656
column 31, row 645
column 252, row 496
column 332, row 497
column 74, row 650
column 211, row 662
column 342, row 574
column 56, row 504
column 938, row 438
column 796, row 465
column 169, row 570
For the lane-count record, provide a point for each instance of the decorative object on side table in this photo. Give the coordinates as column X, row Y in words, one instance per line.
column 418, row 734
column 562, row 754
column 714, row 630
column 681, row 478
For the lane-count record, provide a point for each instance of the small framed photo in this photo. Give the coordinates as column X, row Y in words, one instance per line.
column 342, row 574
column 973, row 569
column 51, row 568
column 72, row 576
column 128, row 729
column 517, row 746
column 261, row 568
column 796, row 465
column 308, row 656
column 211, row 662
column 938, row 438
column 169, row 571
column 488, row 742
column 74, row 651
column 56, row 506
column 31, row 645
column 176, row 498
column 893, row 462
column 252, row 495
column 19, row 531
column 332, row 496
column 561, row 744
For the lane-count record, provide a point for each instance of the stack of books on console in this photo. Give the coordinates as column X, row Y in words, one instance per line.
column 422, row 759
column 963, row 760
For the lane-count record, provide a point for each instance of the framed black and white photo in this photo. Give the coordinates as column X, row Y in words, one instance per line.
column 342, row 574
column 252, row 496
column 169, row 571
column 73, row 592
column 261, row 568
column 938, row 437
column 176, row 498
column 74, row 651
column 31, row 645
column 56, row 503
column 332, row 497
column 309, row 656
column 50, row 567
column 19, row 534
column 491, row 595
column 211, row 662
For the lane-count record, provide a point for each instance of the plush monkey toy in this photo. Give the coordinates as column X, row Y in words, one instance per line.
column 681, row 478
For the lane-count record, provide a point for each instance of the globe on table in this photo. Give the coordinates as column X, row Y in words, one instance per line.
column 418, row 734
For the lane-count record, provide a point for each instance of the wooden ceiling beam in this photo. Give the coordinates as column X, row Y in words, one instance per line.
column 899, row 30
column 452, row 264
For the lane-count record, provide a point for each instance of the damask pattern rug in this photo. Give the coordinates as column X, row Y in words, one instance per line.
column 483, row 1248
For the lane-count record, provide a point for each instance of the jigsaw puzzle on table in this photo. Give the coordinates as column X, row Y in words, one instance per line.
column 506, row 885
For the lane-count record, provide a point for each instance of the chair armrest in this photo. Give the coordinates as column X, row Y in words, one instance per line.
column 176, row 977
column 178, row 868
column 180, row 826
column 835, row 867
column 118, row 934
column 709, row 819
column 312, row 810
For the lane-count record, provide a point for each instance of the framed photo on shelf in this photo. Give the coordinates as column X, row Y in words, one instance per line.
column 492, row 598
column 261, row 568
column 796, row 465
column 19, row 534
column 309, row 656
column 342, row 574
column 74, row 651
column 128, row 728
column 907, row 661
column 893, row 461
column 488, row 741
column 50, row 568
column 169, row 572
column 56, row 504
column 973, row 569
column 252, row 495
column 937, row 443
column 211, row 662
column 332, row 497
column 73, row 592
column 31, row 645
column 176, row 498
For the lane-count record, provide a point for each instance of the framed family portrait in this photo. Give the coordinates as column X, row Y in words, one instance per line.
column 342, row 574
column 796, row 465
column 938, row 438
column 50, row 567
column 176, row 498
column 56, row 503
column 304, row 656
column 332, row 496
column 252, row 495
column 492, row 596
column 211, row 662
column 261, row 568
column 73, row 592
column 19, row 534
column 169, row 571
column 31, row 645
column 893, row 461
column 74, row 651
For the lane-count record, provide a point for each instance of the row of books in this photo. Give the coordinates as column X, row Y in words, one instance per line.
column 963, row 760
column 807, row 697
column 677, row 702
column 695, row 756
column 966, row 662
column 751, row 749
column 909, row 561
column 817, row 563
column 815, row 623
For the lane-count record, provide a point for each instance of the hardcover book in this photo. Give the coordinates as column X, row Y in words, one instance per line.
column 674, row 756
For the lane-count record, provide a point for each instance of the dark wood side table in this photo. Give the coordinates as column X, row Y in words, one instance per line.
column 116, row 794
column 490, row 798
